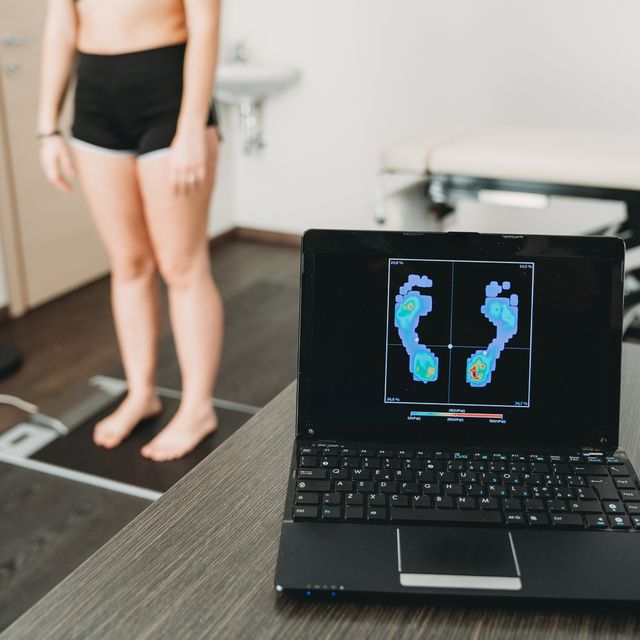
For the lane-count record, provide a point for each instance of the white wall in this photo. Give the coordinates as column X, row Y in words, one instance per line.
column 374, row 71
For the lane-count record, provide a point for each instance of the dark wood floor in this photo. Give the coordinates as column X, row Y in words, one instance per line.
column 48, row 526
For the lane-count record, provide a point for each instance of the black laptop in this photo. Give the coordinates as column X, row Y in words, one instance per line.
column 457, row 420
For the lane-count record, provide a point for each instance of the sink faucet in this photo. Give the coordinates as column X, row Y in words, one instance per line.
column 238, row 52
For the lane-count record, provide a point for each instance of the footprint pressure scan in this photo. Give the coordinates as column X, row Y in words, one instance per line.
column 459, row 333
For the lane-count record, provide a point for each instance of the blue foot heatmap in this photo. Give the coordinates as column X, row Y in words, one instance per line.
column 459, row 332
column 502, row 312
column 410, row 307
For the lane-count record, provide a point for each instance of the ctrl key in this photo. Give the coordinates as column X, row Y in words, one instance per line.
column 305, row 513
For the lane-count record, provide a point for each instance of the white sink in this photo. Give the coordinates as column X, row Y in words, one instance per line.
column 241, row 82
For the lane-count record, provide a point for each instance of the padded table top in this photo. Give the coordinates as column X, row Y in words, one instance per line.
column 580, row 158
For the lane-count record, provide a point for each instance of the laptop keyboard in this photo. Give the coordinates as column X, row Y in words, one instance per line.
column 341, row 484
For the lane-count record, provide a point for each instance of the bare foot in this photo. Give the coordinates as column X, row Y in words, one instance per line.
column 111, row 431
column 185, row 431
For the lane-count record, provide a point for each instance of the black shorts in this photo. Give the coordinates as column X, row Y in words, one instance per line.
column 128, row 103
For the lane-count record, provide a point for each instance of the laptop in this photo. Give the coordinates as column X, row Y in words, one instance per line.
column 457, row 420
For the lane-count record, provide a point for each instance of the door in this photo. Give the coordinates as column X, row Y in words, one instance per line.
column 49, row 241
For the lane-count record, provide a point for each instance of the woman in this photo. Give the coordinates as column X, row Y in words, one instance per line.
column 145, row 145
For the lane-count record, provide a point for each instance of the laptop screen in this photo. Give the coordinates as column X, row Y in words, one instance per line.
column 460, row 339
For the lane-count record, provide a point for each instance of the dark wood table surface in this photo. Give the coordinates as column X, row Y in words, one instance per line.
column 199, row 563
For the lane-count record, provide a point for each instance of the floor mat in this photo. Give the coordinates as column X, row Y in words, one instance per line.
column 125, row 464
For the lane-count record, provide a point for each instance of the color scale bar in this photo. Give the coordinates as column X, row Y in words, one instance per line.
column 446, row 414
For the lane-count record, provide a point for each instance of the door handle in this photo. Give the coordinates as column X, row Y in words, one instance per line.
column 16, row 40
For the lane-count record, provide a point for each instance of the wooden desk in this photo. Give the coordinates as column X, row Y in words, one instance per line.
column 199, row 563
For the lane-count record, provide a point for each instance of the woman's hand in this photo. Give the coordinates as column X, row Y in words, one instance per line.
column 189, row 160
column 56, row 162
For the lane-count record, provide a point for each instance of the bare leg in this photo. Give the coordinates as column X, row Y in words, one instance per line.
column 178, row 229
column 110, row 185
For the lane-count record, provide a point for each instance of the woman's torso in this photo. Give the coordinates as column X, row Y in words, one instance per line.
column 120, row 26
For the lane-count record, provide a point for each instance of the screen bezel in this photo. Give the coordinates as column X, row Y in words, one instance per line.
column 472, row 246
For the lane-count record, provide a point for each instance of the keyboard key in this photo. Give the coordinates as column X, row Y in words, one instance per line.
column 361, row 474
column 353, row 513
column 409, row 488
column 604, row 487
column 421, row 502
column 632, row 507
column 317, row 486
column 585, row 493
column 305, row 513
column 343, row 486
column 308, row 461
column 307, row 498
column 618, row 471
column 330, row 513
column 398, row 500
column 464, row 502
column 597, row 522
column 511, row 504
column 312, row 474
column 377, row 500
column 473, row 490
column 625, row 483
column 388, row 487
column 332, row 498
column 443, row 502
column 490, row 504
column 563, row 493
column 445, row 515
column 585, row 506
column 308, row 451
column 612, row 460
column 630, row 495
column 589, row 469
column 613, row 506
column 354, row 498
column 364, row 486
column 557, row 506
column 619, row 522
column 514, row 519
column 540, row 467
column 534, row 505
column 453, row 490
column 635, row 520
column 376, row 513
column 329, row 461
column 567, row 521
column 431, row 489
column 339, row 474
column 537, row 519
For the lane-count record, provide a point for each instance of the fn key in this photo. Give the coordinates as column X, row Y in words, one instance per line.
column 305, row 513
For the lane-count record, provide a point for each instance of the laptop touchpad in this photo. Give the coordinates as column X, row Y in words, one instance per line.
column 457, row 558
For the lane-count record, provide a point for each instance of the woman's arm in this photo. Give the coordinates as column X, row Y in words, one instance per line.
column 58, row 54
column 201, row 57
